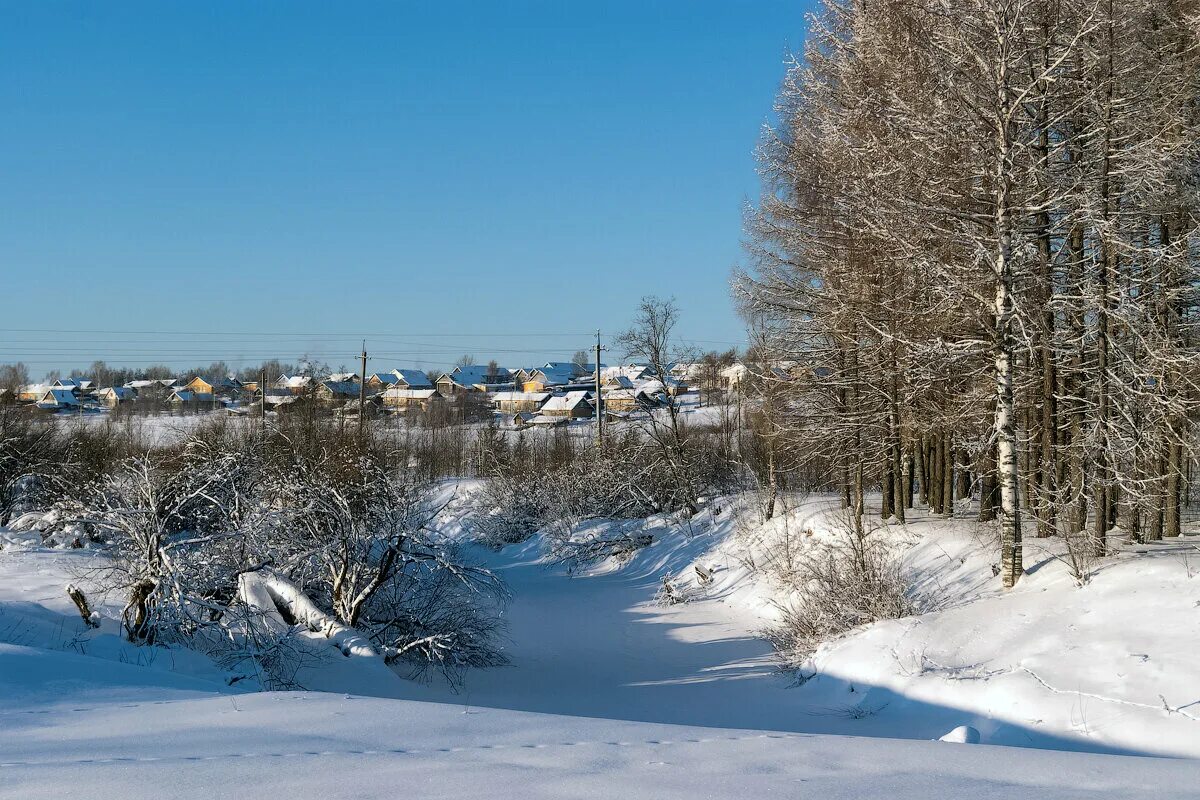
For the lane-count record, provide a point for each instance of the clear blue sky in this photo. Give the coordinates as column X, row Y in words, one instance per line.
column 229, row 172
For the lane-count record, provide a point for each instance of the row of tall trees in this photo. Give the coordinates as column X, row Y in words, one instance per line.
column 980, row 235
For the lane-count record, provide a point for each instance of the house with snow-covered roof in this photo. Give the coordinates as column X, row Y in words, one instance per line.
column 412, row 379
column 57, row 398
column 113, row 396
column 511, row 402
column 473, row 378
column 572, row 405
column 546, row 378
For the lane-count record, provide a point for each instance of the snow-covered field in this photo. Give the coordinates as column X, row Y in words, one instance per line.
column 634, row 699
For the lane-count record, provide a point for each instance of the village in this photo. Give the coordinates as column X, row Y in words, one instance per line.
column 549, row 395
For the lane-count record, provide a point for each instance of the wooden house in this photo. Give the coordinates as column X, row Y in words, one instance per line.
column 404, row 399
column 333, row 392
column 516, row 419
column 624, row 400
column 218, row 387
column 58, row 398
column 186, row 399
column 512, row 402
column 296, row 384
column 473, row 378
column 412, row 379
column 113, row 396
column 282, row 400
column 31, row 393
column 549, row 378
column 573, row 405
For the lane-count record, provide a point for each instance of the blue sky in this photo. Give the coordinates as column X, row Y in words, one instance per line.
column 191, row 181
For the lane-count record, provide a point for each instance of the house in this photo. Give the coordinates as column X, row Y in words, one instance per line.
column 187, row 399
column 296, row 384
column 57, row 398
column 626, row 400
column 404, row 399
column 577, row 370
column 688, row 371
column 632, row 372
column 338, row 392
column 152, row 385
column 345, row 377
column 379, row 381
column 219, row 387
column 616, row 382
column 412, row 379
column 113, row 396
column 512, row 402
column 573, row 405
column 399, row 379
column 550, row 377
column 473, row 378
column 669, row 385
column 31, row 393
column 517, row 419
column 281, row 399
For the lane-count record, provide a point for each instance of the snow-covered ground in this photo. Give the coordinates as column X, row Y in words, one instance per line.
column 1108, row 667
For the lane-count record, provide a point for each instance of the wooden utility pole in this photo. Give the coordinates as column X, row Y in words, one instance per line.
column 262, row 396
column 362, row 392
column 599, row 398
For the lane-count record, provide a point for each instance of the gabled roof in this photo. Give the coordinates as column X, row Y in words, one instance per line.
column 413, row 378
column 59, row 396
column 341, row 388
column 225, row 382
column 555, row 376
column 344, row 377
column 473, row 374
column 389, row 378
column 120, row 392
column 576, row 369
column 566, row 402
column 278, row 397
column 397, row 393
column 188, row 396
column 66, row 383
column 633, row 372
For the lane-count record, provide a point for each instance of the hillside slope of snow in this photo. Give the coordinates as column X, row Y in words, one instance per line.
column 164, row 741
column 602, row 675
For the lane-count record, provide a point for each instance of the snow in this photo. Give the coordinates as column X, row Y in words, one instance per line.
column 612, row 695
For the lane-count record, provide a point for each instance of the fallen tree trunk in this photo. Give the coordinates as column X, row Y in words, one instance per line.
column 274, row 594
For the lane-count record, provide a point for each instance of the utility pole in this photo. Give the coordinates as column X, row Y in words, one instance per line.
column 599, row 398
column 262, row 396
column 362, row 393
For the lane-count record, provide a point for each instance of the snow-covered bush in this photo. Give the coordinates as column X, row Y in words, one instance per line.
column 325, row 512
column 32, row 455
column 627, row 480
column 834, row 584
column 360, row 540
